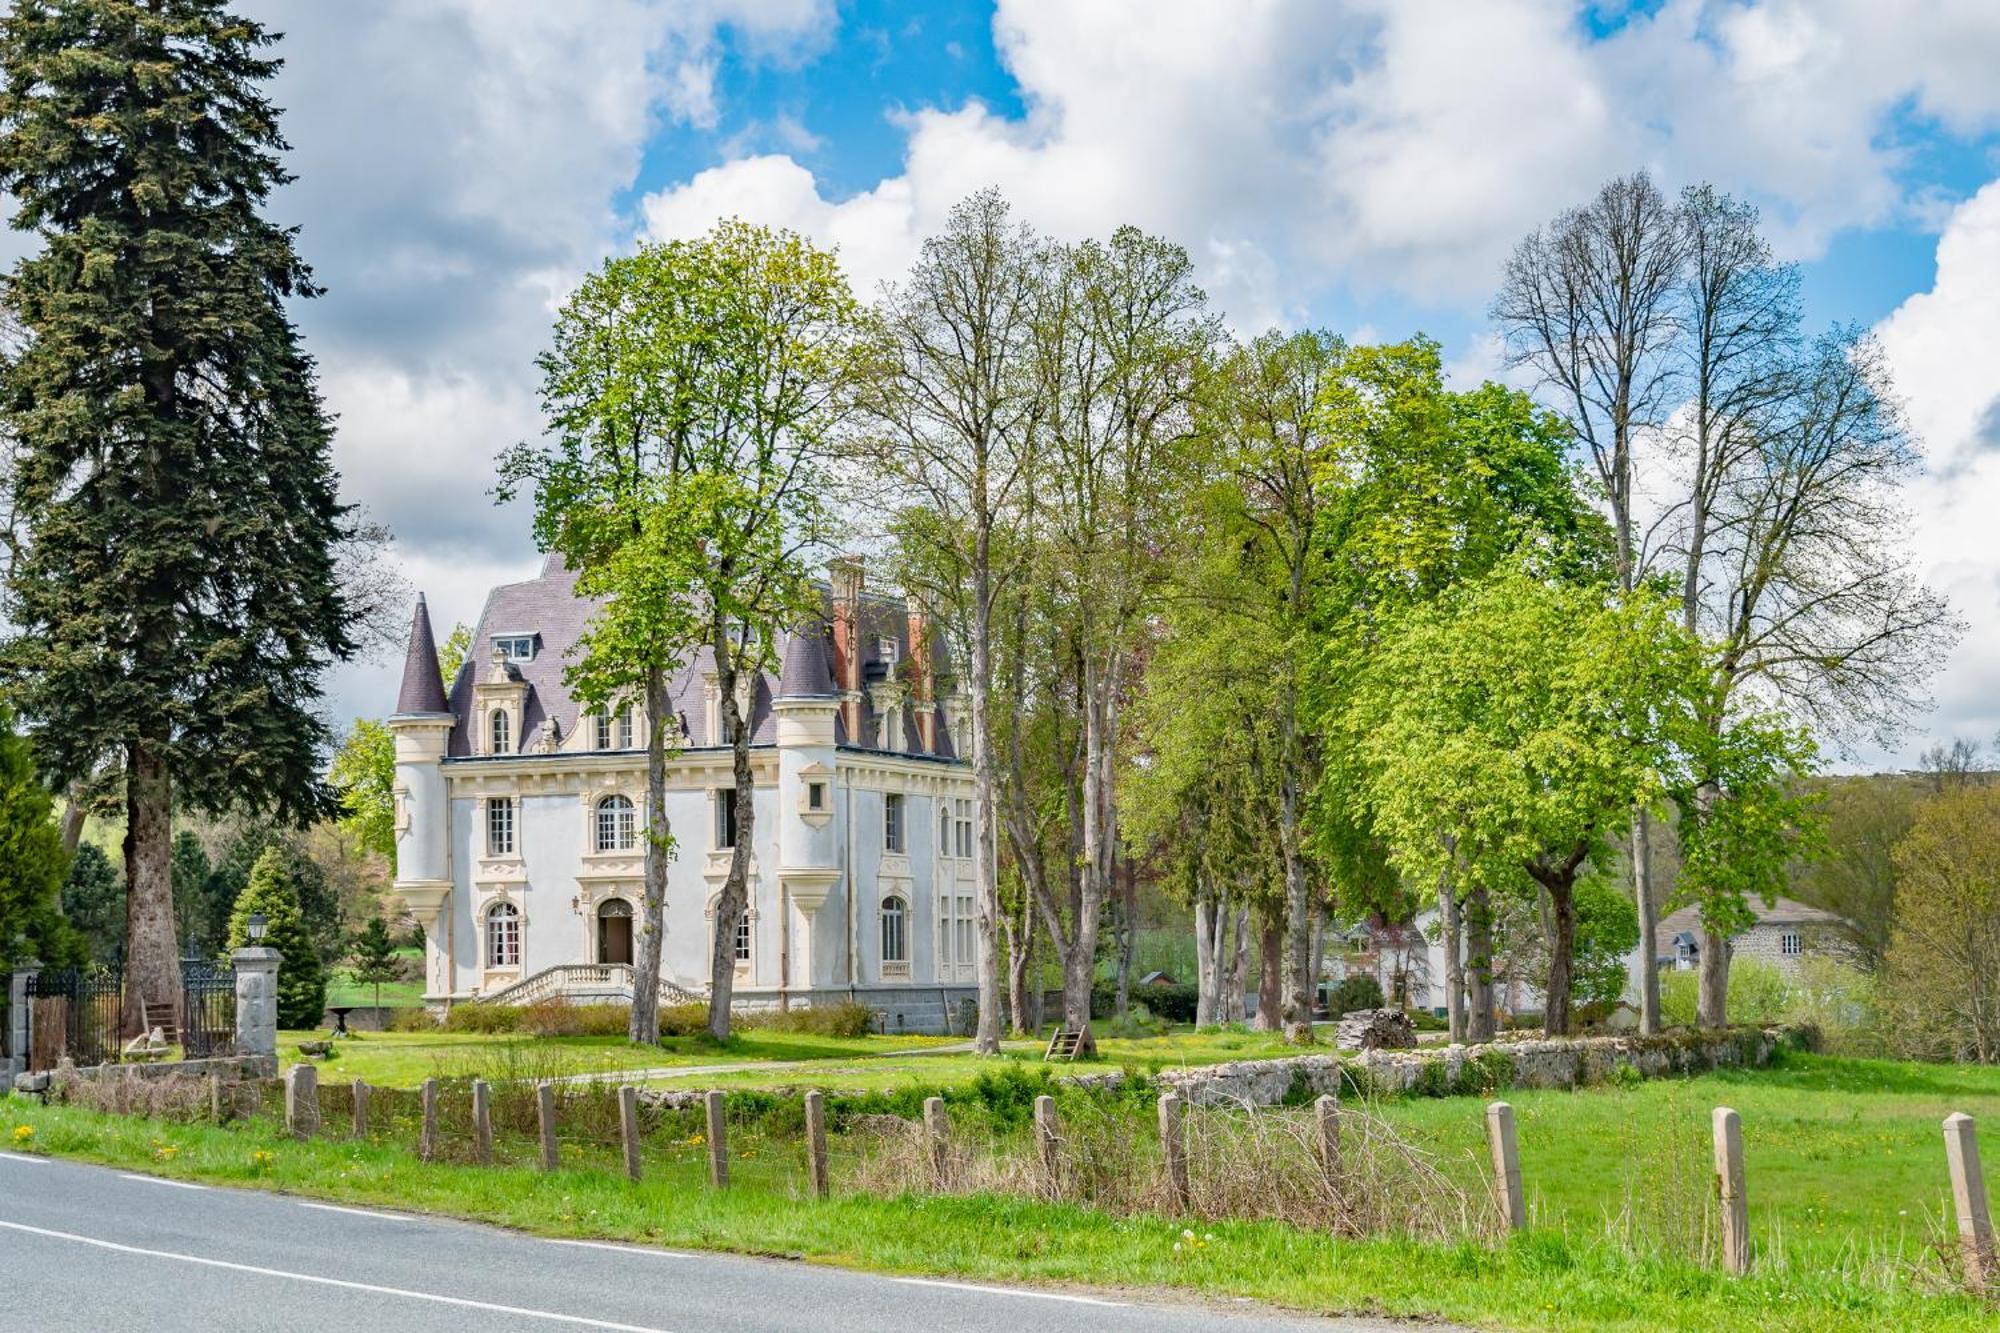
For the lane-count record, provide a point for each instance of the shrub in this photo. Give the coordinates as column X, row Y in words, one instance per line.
column 413, row 1020
column 1839, row 1001
column 849, row 1018
column 557, row 1017
column 476, row 1017
column 1358, row 991
column 1176, row 1004
column 1758, row 993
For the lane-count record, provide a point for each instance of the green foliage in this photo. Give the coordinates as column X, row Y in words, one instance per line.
column 373, row 955
column 319, row 904
column 1607, row 930
column 1758, row 993
column 192, row 876
column 364, row 775
column 93, row 900
column 452, row 653
column 31, row 862
column 274, row 891
column 175, row 589
column 1941, row 985
column 1357, row 990
column 1839, row 1001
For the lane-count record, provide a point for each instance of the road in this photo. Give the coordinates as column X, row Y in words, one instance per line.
column 91, row 1248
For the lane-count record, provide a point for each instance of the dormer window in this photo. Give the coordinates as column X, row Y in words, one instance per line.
column 514, row 647
column 500, row 739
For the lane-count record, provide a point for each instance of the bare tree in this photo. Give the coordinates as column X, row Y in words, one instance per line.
column 954, row 443
column 1590, row 305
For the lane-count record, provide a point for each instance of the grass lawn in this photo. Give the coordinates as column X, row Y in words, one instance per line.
column 406, row 1059
column 1551, row 1276
column 343, row 991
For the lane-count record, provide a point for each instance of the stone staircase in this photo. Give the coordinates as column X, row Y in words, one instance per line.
column 589, row 983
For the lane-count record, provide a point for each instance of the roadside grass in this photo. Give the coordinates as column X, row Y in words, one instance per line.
column 1544, row 1278
column 406, row 1059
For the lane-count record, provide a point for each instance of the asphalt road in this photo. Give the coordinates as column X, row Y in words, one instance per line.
column 90, row 1248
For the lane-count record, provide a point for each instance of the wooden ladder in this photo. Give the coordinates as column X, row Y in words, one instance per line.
column 1067, row 1044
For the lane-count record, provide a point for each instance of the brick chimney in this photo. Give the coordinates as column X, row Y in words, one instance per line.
column 923, row 686
column 844, row 574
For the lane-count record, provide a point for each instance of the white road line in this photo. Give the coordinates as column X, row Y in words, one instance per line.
column 23, row 1157
column 460, row 1301
column 1004, row 1291
column 356, row 1212
column 161, row 1180
column 623, row 1249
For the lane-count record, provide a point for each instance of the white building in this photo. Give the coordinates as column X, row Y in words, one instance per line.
column 519, row 817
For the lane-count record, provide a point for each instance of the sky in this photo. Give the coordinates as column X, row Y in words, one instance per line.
column 1364, row 167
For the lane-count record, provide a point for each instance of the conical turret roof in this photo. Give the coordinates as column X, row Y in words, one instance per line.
column 423, row 688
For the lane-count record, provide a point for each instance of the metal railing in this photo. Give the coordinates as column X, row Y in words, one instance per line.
column 569, row 979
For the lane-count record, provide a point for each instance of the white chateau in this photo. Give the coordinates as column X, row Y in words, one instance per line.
column 519, row 816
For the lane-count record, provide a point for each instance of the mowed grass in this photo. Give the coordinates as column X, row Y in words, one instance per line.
column 406, row 1059
column 1547, row 1278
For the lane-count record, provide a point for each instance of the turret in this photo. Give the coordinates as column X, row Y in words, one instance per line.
column 422, row 726
column 808, row 852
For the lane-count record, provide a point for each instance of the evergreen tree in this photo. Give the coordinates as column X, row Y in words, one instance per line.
column 175, row 595
column 301, row 980
column 191, row 873
column 373, row 954
column 93, row 900
column 31, row 861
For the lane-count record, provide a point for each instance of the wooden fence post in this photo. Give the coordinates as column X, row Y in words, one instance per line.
column 937, row 1130
column 545, row 1116
column 360, row 1091
column 302, row 1101
column 215, row 1098
column 1968, row 1196
column 1504, row 1147
column 1173, row 1151
column 1326, row 1111
column 1729, row 1188
column 816, row 1143
column 718, row 1142
column 628, row 1128
column 427, row 1137
column 482, row 1121
column 1048, row 1141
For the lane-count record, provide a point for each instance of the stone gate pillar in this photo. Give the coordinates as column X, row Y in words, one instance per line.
column 257, row 1001
column 20, row 1018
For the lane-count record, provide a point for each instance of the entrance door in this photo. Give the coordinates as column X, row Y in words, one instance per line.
column 614, row 932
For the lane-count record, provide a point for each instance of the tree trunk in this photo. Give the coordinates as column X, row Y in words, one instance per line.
column 1206, row 949
column 1649, row 923
column 72, row 819
column 1099, row 840
column 152, row 958
column 733, row 902
column 1322, row 921
column 1020, row 951
column 1238, row 955
column 1712, row 1003
column 1270, row 981
column 643, row 1024
column 1128, row 937
column 1478, row 970
column 1454, row 971
column 1298, row 916
column 986, row 872
column 1562, row 951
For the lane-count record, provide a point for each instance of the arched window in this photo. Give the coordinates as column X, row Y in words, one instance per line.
column 503, row 935
column 616, row 826
column 500, row 733
column 895, row 939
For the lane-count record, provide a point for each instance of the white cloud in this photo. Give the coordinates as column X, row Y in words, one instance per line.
column 1944, row 346
column 1397, row 146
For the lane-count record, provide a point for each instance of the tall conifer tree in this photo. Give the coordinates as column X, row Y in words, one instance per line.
column 175, row 599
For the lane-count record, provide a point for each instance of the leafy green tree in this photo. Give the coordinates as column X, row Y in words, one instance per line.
column 364, row 774
column 692, row 393
column 1607, row 930
column 191, row 877
column 175, row 593
column 1941, row 983
column 32, row 863
column 373, row 955
column 451, row 653
column 93, row 901
column 301, row 980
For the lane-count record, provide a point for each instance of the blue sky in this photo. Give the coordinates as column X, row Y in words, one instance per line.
column 1364, row 165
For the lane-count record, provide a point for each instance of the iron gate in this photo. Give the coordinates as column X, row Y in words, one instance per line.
column 208, row 1008
column 75, row 1012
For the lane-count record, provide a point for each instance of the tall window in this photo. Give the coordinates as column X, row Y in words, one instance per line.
column 503, row 935
column 944, row 828
column 743, row 937
column 725, row 818
column 602, row 724
column 499, row 733
column 617, row 827
column 1790, row 944
column 895, row 948
column 500, row 826
column 614, row 733
column 625, row 727
column 962, row 822
column 892, row 822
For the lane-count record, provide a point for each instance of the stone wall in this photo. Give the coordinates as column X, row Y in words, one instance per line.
column 1455, row 1070
column 231, row 1068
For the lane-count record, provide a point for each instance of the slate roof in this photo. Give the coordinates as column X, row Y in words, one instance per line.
column 1781, row 912
column 422, row 691
column 549, row 607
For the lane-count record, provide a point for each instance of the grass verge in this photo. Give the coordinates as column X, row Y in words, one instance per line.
column 1542, row 1279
